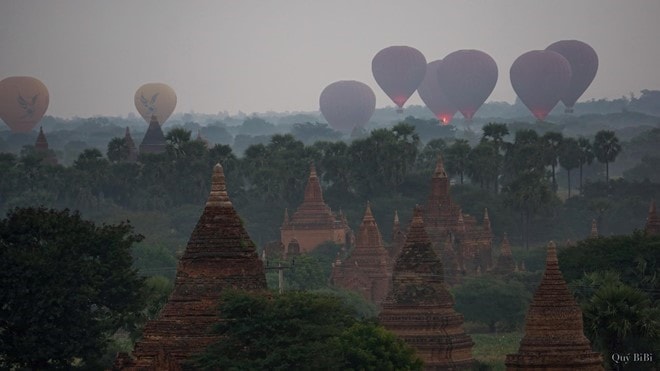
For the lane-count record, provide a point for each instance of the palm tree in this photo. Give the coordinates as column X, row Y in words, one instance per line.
column 586, row 155
column 551, row 142
column 606, row 148
column 569, row 158
column 456, row 157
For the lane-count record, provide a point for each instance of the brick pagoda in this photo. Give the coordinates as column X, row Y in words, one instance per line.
column 505, row 263
column 419, row 307
column 132, row 154
column 314, row 223
column 41, row 146
column 219, row 255
column 554, row 338
column 652, row 221
column 368, row 268
column 154, row 139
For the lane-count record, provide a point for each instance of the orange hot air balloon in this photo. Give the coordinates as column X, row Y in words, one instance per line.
column 434, row 96
column 347, row 104
column 23, row 102
column 155, row 99
column 399, row 70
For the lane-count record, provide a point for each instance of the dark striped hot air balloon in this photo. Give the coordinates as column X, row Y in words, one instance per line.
column 434, row 96
column 539, row 78
column 584, row 65
column 347, row 104
column 468, row 77
column 399, row 70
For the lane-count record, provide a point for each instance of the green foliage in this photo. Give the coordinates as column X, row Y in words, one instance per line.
column 606, row 148
column 506, row 302
column 301, row 331
column 491, row 349
column 67, row 285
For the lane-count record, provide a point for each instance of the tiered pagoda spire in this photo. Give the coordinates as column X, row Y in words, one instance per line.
column 154, row 139
column 419, row 307
column 652, row 221
column 398, row 237
column 368, row 268
column 41, row 146
column 314, row 222
column 594, row 229
column 219, row 255
column 554, row 338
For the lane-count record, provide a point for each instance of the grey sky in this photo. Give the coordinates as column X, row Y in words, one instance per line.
column 264, row 55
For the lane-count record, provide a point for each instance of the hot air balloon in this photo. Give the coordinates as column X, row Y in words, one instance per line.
column 584, row 64
column 468, row 77
column 23, row 102
column 434, row 96
column 155, row 99
column 347, row 104
column 399, row 70
column 540, row 77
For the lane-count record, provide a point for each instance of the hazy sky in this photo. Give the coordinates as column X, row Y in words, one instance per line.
column 256, row 56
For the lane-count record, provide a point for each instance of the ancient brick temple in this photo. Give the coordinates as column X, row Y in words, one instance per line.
column 652, row 221
column 368, row 268
column 419, row 307
column 41, row 146
column 132, row 154
column 219, row 255
column 471, row 242
column 554, row 338
column 314, row 223
column 154, row 139
column 505, row 263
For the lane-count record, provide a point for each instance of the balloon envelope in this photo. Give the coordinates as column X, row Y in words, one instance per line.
column 434, row 96
column 540, row 77
column 23, row 102
column 347, row 104
column 584, row 65
column 399, row 70
column 155, row 99
column 468, row 77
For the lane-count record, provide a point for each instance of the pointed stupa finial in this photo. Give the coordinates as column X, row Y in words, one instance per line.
column 396, row 217
column 368, row 215
column 312, row 169
column 552, row 254
column 505, row 249
column 439, row 168
column 42, row 143
column 127, row 132
column 486, row 219
column 218, row 196
column 594, row 229
column 461, row 220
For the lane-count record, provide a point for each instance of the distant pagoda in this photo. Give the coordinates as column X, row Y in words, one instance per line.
column 419, row 308
column 219, row 255
column 314, row 223
column 41, row 147
column 132, row 152
column 154, row 139
column 398, row 237
column 652, row 221
column 505, row 263
column 554, row 338
column 367, row 269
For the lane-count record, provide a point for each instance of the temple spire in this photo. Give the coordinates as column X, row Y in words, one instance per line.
column 505, row 249
column 652, row 221
column 439, row 168
column 42, row 143
column 486, row 220
column 594, row 229
column 313, row 192
column 218, row 195
column 368, row 215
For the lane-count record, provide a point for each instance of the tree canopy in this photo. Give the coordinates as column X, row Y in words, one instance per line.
column 66, row 285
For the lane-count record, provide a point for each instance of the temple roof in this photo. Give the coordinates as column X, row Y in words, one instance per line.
column 439, row 168
column 554, row 336
column 313, row 212
column 154, row 139
column 486, row 220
